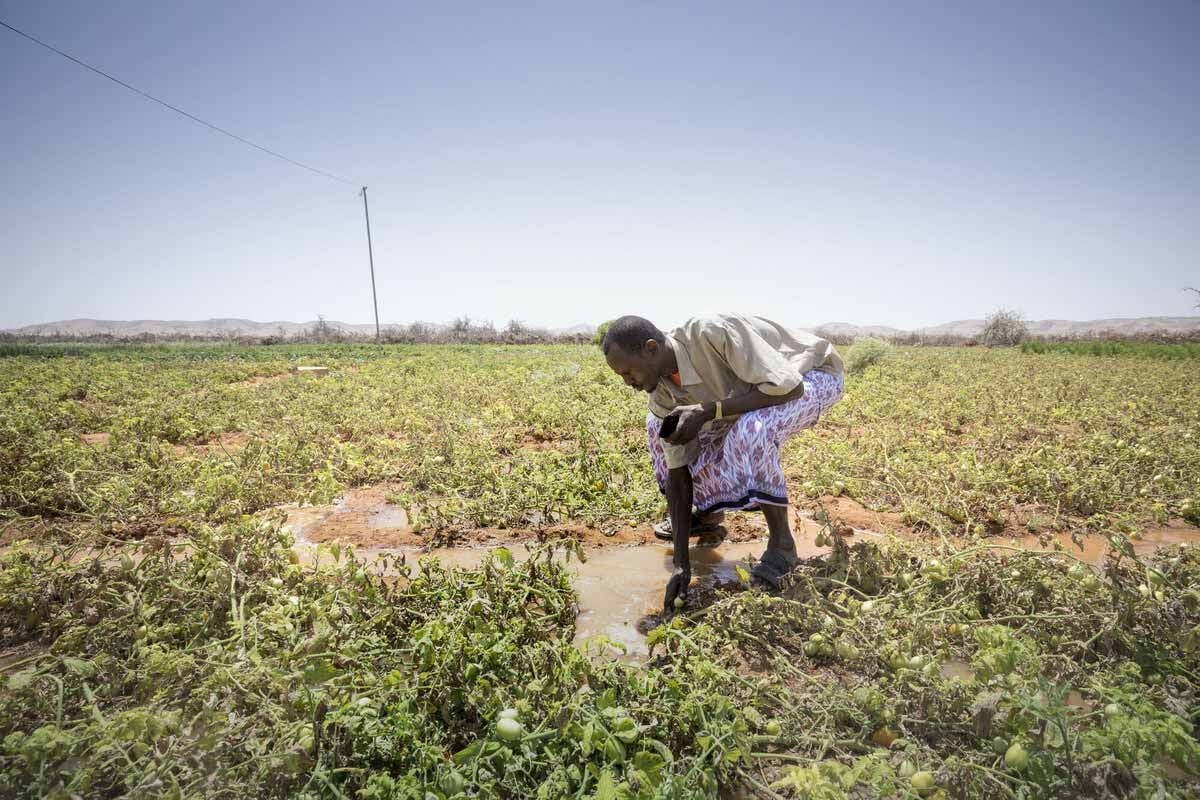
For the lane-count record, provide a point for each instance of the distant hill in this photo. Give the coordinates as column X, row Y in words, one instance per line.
column 1064, row 328
column 226, row 327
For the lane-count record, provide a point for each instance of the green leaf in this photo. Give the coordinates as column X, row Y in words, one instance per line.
column 20, row 680
column 79, row 666
column 468, row 753
column 318, row 671
column 605, row 788
column 648, row 767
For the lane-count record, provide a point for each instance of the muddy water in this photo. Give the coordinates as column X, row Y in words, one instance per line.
column 619, row 587
column 1096, row 548
column 622, row 583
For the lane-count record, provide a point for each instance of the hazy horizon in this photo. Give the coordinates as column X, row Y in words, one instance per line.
column 867, row 163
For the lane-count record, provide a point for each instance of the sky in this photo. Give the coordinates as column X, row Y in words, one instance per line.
column 903, row 164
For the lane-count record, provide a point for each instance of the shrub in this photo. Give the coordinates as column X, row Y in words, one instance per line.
column 865, row 352
column 1004, row 328
column 600, row 331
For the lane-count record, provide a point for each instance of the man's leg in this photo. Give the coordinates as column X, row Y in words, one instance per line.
column 779, row 533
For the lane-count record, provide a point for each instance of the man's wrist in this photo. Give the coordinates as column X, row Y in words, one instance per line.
column 710, row 411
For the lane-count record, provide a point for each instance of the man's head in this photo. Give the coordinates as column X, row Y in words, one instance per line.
column 637, row 351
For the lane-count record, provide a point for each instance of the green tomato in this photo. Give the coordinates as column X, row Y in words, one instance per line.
column 922, row 782
column 1016, row 757
column 772, row 728
column 508, row 713
column 452, row 783
column 678, row 603
column 1112, row 710
column 509, row 729
column 847, row 651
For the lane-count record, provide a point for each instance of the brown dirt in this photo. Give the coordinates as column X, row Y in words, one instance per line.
column 28, row 528
column 535, row 444
column 735, row 529
column 364, row 517
column 228, row 441
column 98, row 439
column 847, row 516
column 21, row 654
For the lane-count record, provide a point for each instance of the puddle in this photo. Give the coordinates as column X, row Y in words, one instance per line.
column 619, row 587
column 364, row 518
column 621, row 584
column 1096, row 548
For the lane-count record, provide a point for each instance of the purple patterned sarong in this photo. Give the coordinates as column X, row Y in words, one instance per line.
column 738, row 466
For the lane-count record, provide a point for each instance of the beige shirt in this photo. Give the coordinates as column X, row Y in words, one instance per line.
column 726, row 355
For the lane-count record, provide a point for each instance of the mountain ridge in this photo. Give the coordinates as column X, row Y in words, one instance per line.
column 236, row 326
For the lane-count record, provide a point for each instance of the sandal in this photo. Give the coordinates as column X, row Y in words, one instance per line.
column 663, row 529
column 772, row 567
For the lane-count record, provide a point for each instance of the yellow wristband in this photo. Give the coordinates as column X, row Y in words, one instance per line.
column 718, row 416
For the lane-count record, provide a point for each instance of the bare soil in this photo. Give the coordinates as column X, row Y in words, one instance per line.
column 228, row 441
column 847, row 516
column 363, row 517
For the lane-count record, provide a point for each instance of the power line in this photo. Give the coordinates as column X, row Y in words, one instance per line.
column 178, row 110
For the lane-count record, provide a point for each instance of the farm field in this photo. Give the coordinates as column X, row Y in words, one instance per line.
column 215, row 581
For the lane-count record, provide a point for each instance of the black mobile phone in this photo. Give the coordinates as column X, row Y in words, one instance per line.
column 668, row 425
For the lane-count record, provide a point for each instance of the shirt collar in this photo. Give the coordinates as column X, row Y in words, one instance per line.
column 687, row 372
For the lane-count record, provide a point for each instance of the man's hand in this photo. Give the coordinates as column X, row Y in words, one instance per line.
column 691, row 418
column 677, row 588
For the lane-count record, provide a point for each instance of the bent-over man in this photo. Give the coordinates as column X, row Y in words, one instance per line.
column 726, row 391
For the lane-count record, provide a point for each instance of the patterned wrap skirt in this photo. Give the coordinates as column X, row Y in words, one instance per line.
column 738, row 466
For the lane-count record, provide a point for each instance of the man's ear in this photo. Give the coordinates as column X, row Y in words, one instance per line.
column 650, row 348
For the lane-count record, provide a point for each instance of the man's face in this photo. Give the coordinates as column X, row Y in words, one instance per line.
column 638, row 370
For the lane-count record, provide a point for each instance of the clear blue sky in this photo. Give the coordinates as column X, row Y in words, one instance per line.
column 894, row 163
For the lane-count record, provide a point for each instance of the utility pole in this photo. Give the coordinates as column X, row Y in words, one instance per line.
column 371, row 255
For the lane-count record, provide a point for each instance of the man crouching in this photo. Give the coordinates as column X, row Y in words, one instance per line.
column 726, row 391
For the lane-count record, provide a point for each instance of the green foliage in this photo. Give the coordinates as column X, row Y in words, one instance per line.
column 865, row 352
column 200, row 660
column 601, row 329
column 1151, row 352
column 968, row 441
column 220, row 661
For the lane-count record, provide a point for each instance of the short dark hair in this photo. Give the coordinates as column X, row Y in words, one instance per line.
column 631, row 333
